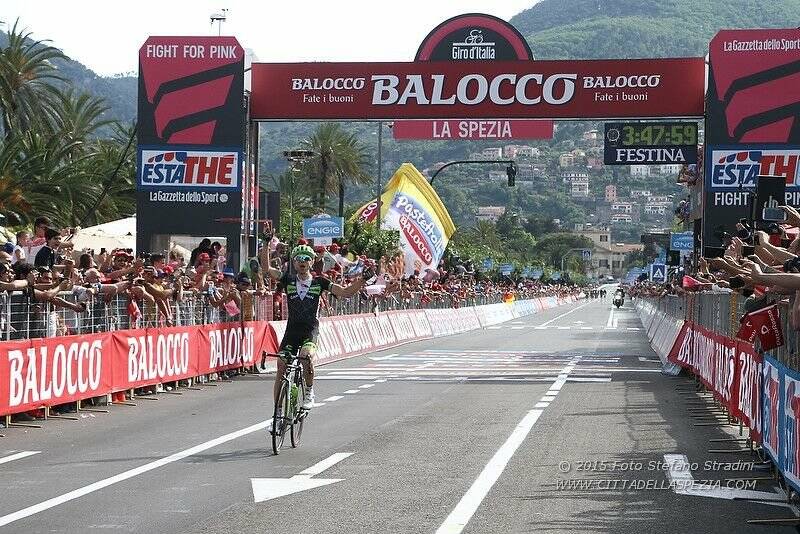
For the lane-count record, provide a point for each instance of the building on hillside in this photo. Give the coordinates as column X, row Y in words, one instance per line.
column 659, row 199
column 579, row 188
column 568, row 177
column 520, row 151
column 492, row 153
column 622, row 207
column 607, row 258
column 530, row 171
column 621, row 218
column 497, row 175
column 642, row 171
column 566, row 160
column 592, row 136
column 578, row 153
column 611, row 193
column 666, row 170
column 595, row 164
column 656, row 209
column 490, row 213
column 636, row 193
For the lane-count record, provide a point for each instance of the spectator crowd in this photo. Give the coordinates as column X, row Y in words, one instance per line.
column 122, row 290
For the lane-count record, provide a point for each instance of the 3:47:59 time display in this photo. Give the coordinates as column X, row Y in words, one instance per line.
column 659, row 134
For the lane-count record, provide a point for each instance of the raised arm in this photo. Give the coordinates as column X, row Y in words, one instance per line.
column 349, row 291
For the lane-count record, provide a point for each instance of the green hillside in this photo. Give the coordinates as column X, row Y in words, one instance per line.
column 591, row 29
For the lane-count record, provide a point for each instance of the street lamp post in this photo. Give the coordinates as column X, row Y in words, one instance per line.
column 511, row 169
column 295, row 158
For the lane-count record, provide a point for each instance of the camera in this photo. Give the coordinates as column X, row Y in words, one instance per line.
column 771, row 213
column 773, row 229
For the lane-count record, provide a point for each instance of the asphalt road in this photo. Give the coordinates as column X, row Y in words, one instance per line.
column 480, row 432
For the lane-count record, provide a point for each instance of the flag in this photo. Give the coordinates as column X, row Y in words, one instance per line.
column 231, row 308
column 411, row 206
column 764, row 324
column 133, row 310
column 693, row 284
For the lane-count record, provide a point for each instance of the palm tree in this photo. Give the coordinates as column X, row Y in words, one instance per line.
column 296, row 200
column 338, row 158
column 27, row 81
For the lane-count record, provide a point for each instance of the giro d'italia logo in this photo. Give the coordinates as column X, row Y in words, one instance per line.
column 474, row 47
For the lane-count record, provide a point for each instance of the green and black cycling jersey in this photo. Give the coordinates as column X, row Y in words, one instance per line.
column 303, row 309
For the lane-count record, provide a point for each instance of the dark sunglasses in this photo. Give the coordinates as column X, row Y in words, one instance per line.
column 302, row 258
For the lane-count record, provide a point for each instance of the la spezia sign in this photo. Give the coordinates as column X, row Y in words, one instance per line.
column 646, row 143
column 473, row 129
column 323, row 227
column 478, row 89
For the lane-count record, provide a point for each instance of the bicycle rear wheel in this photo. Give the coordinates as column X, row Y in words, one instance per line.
column 281, row 417
column 300, row 414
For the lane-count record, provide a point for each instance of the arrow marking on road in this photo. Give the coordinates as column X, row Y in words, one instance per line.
column 265, row 489
column 684, row 484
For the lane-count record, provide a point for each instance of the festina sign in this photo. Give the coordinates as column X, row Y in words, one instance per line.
column 590, row 89
column 473, row 130
column 650, row 155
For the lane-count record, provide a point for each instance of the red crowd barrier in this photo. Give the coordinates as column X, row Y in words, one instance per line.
column 730, row 368
column 48, row 372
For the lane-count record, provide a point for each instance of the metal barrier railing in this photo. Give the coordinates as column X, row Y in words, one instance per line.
column 22, row 318
column 721, row 313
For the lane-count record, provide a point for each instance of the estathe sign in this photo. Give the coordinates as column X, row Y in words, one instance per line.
column 191, row 124
column 477, row 90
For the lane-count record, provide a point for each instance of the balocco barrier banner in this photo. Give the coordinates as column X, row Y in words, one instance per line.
column 730, row 368
column 411, row 206
column 575, row 89
column 51, row 371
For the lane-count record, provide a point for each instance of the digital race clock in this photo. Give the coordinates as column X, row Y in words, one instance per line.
column 650, row 143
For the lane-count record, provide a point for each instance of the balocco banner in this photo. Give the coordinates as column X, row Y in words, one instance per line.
column 48, row 372
column 585, row 89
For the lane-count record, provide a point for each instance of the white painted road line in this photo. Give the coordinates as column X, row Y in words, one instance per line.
column 469, row 503
column 85, row 490
column 351, row 391
column 18, row 456
column 381, row 358
column 564, row 314
column 327, row 463
column 610, row 318
column 366, row 386
column 542, row 405
column 333, row 399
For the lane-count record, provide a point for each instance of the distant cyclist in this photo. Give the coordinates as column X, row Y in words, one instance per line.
column 303, row 292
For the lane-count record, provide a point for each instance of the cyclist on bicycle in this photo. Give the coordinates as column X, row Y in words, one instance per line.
column 303, row 292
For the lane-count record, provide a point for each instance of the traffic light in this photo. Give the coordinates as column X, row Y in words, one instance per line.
column 511, row 172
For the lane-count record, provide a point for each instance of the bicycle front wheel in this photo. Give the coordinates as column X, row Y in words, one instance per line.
column 281, row 417
column 300, row 414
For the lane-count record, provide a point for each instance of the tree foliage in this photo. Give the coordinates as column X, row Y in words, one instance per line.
column 51, row 161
